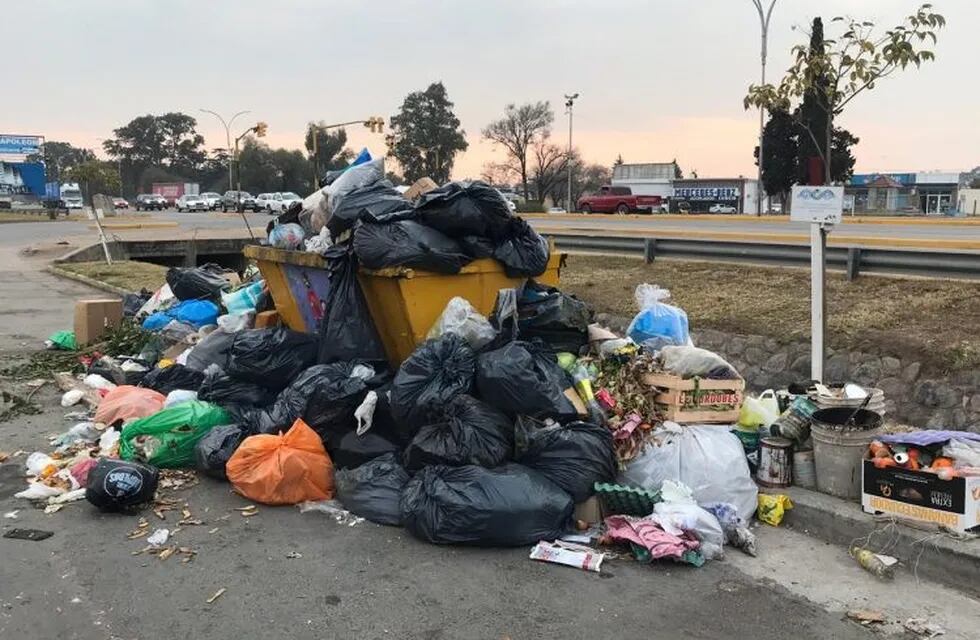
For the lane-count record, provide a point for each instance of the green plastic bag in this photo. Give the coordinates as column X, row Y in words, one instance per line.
column 171, row 434
column 63, row 340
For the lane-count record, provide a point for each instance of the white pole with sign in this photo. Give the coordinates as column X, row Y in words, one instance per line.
column 821, row 207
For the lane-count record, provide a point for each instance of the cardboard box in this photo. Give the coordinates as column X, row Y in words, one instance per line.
column 922, row 496
column 420, row 187
column 589, row 510
column 695, row 400
column 93, row 316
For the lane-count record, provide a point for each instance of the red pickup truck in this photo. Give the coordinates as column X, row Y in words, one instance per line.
column 611, row 199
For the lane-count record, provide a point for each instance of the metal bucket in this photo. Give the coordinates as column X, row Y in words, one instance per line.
column 775, row 463
column 837, row 452
column 804, row 473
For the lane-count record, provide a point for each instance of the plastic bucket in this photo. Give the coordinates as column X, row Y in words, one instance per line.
column 804, row 474
column 837, row 452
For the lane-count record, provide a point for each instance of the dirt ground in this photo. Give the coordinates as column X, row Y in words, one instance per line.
column 934, row 321
column 129, row 274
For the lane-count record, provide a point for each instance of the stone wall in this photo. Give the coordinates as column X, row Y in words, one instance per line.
column 910, row 398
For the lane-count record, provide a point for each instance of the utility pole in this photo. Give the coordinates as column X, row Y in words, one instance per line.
column 569, row 103
column 764, row 15
column 227, row 125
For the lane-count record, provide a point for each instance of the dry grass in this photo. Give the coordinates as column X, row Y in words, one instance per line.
column 934, row 321
column 129, row 275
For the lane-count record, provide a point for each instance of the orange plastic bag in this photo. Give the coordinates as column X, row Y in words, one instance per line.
column 128, row 403
column 282, row 469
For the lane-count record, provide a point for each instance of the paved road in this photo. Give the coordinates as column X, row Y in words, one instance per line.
column 627, row 224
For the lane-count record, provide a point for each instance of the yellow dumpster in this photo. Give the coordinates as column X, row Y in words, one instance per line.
column 404, row 303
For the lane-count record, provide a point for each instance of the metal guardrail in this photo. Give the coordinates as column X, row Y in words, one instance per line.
column 854, row 260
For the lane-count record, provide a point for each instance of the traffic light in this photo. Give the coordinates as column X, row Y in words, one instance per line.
column 260, row 129
column 375, row 124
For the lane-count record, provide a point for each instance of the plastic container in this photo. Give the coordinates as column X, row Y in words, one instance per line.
column 244, row 299
column 838, row 451
column 804, row 473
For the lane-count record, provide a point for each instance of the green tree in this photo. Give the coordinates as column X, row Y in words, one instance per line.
column 59, row 157
column 169, row 143
column 781, row 165
column 182, row 144
column 518, row 131
column 841, row 159
column 834, row 74
column 94, row 176
column 426, row 135
column 811, row 117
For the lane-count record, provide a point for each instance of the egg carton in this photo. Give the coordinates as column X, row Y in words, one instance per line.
column 618, row 499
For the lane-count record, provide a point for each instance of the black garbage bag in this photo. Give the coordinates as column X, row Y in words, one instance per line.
column 176, row 376
column 347, row 332
column 228, row 391
column 133, row 302
column 472, row 432
column 349, row 450
column 466, row 209
column 270, row 357
column 213, row 451
column 374, row 489
column 559, row 319
column 291, row 214
column 524, row 378
column 477, row 247
column 407, row 243
column 574, row 456
column 198, row 283
column 378, row 202
column 111, row 369
column 524, row 252
column 120, row 485
column 506, row 506
column 213, row 349
column 436, row 372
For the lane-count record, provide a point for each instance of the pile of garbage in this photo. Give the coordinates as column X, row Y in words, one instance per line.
column 532, row 426
column 441, row 229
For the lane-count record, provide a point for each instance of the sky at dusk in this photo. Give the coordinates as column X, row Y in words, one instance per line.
column 659, row 79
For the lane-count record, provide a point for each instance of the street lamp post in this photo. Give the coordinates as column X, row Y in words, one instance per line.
column 569, row 103
column 227, row 125
column 764, row 15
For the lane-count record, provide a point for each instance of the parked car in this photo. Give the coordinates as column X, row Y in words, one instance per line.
column 150, row 202
column 213, row 199
column 282, row 201
column 188, row 202
column 615, row 199
column 120, row 203
column 262, row 201
column 722, row 208
column 238, row 201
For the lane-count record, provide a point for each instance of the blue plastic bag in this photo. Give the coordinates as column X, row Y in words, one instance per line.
column 194, row 312
column 657, row 321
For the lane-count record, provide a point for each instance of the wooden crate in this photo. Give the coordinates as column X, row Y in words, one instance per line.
column 690, row 401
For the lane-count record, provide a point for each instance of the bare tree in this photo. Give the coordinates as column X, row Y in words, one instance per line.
column 518, row 131
column 549, row 170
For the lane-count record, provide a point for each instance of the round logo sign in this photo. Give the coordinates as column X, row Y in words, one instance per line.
column 122, row 482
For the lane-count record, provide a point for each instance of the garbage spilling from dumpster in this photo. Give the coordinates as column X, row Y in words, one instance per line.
column 419, row 366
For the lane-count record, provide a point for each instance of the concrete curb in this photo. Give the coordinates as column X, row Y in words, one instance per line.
column 927, row 554
column 97, row 284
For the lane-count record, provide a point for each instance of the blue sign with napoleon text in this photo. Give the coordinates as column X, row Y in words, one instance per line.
column 20, row 144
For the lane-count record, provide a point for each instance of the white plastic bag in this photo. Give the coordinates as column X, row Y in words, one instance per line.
column 676, row 517
column 72, row 397
column 689, row 362
column 965, row 453
column 37, row 462
column 320, row 242
column 179, row 396
column 232, row 322
column 96, row 381
column 707, row 458
column 461, row 318
column 364, row 414
column 162, row 296
column 354, row 178
column 38, row 491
